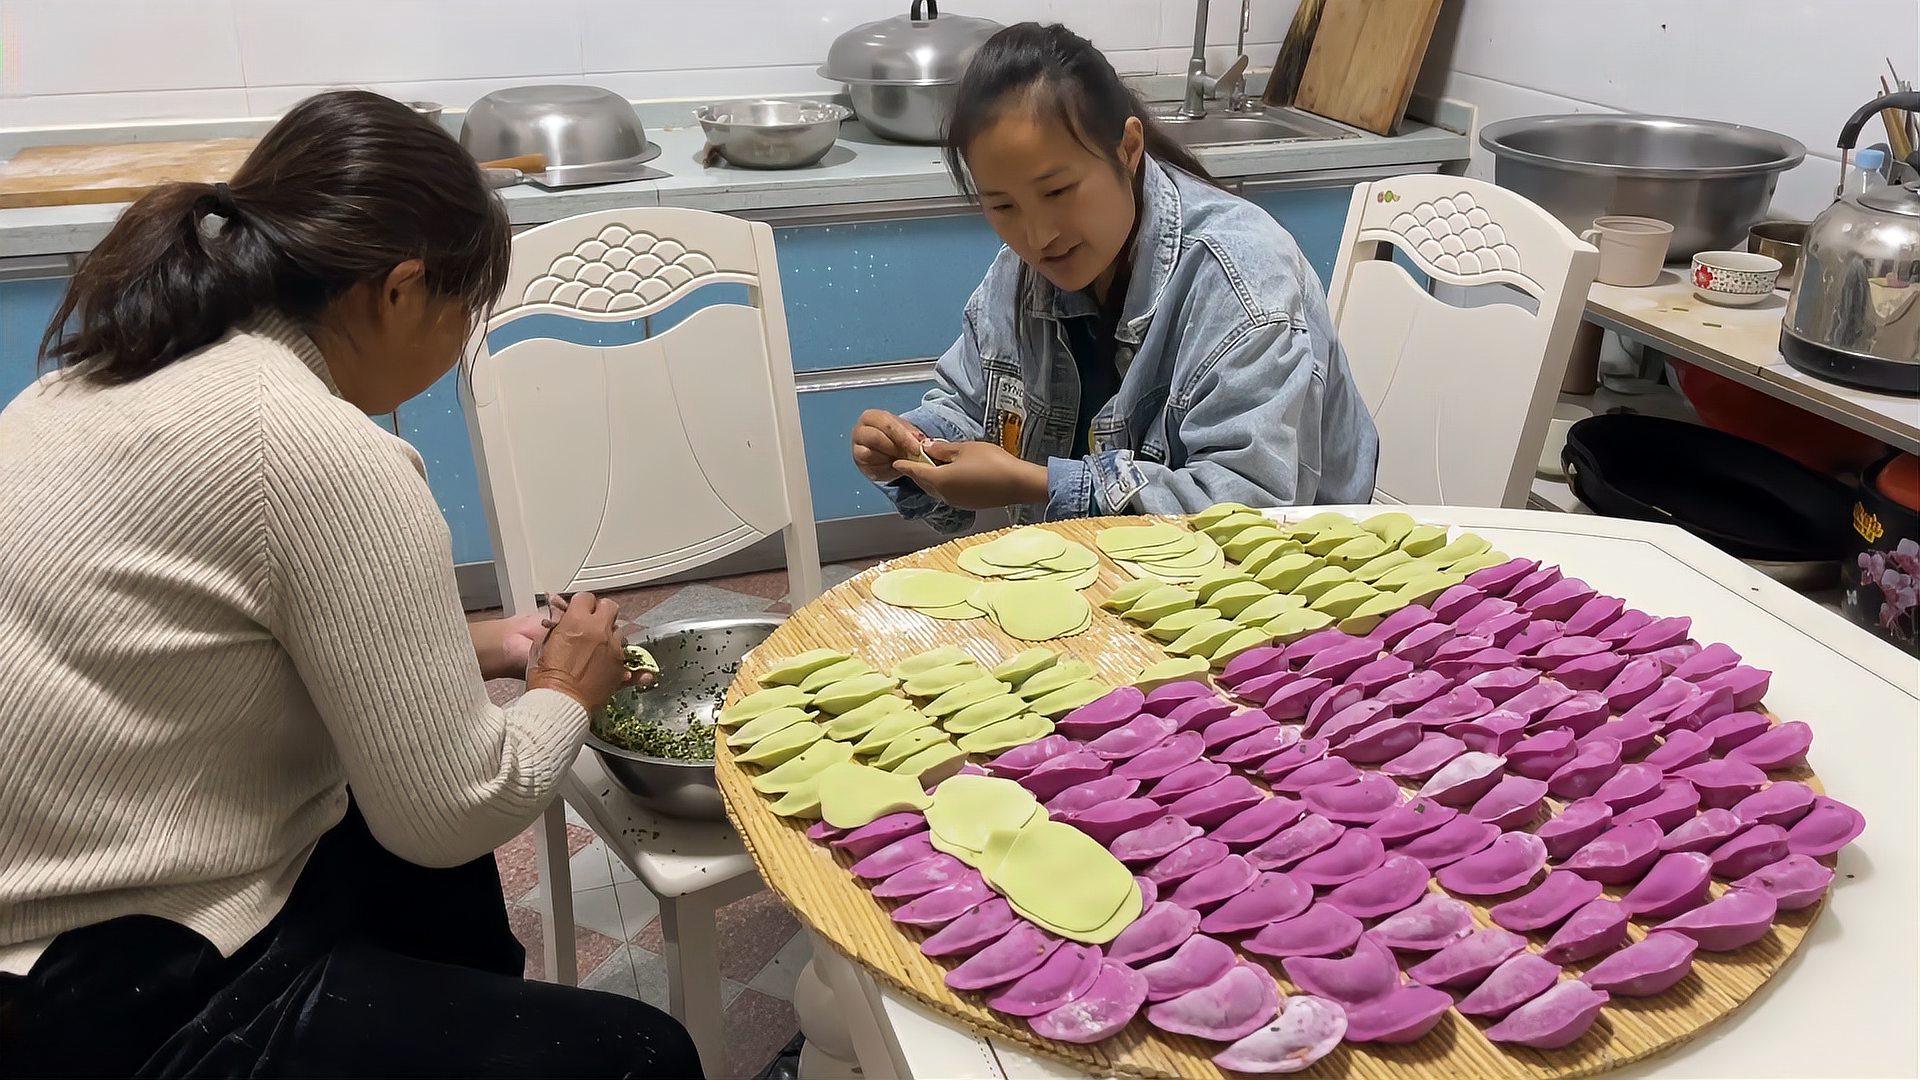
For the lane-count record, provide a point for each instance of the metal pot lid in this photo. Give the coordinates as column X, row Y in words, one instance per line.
column 1894, row 199
column 920, row 48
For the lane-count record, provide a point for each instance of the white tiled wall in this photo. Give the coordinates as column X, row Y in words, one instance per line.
column 83, row 61
column 1799, row 67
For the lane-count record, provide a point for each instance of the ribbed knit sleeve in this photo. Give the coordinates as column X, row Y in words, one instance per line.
column 364, row 601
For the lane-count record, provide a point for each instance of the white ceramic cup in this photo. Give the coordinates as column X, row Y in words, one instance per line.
column 1738, row 278
column 1564, row 417
column 1632, row 249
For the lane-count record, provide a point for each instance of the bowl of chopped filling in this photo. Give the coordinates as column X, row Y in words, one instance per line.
column 657, row 742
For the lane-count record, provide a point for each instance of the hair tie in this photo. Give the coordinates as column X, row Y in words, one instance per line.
column 223, row 201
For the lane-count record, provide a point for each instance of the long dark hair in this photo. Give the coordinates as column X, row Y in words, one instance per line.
column 344, row 188
column 1054, row 69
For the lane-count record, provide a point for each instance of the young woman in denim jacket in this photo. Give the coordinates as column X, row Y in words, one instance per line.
column 1145, row 343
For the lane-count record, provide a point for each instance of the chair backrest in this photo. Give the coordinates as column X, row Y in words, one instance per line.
column 609, row 466
column 1461, row 395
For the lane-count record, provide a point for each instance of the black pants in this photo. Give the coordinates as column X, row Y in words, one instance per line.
column 376, row 967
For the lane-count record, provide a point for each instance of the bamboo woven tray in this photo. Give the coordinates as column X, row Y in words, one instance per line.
column 815, row 882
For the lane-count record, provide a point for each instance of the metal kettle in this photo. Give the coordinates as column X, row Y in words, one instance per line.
column 1854, row 317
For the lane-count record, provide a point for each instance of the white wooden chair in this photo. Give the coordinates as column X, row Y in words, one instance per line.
column 606, row 467
column 1461, row 394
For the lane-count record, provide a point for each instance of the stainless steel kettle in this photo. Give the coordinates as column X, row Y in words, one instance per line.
column 1854, row 317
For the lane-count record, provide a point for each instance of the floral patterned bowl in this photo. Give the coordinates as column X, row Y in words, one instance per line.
column 1739, row 278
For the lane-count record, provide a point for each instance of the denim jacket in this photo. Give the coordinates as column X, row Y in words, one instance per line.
column 1232, row 385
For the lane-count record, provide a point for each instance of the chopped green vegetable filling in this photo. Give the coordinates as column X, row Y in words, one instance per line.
column 618, row 724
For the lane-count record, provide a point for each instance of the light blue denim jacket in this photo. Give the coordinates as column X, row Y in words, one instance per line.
column 1232, row 384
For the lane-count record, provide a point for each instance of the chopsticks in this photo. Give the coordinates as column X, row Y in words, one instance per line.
column 1895, row 120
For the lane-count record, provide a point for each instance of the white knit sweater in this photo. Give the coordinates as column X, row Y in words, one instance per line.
column 225, row 596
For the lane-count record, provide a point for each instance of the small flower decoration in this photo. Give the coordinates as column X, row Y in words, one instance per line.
column 1387, row 197
column 1703, row 277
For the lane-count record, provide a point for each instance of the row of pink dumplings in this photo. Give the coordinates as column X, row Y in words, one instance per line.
column 1513, row 687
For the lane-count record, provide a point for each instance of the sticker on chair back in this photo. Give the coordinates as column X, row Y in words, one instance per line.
column 1006, row 410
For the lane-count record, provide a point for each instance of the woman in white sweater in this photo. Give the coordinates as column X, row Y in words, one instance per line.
column 250, row 778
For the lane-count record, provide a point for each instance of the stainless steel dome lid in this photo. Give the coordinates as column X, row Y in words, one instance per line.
column 920, row 48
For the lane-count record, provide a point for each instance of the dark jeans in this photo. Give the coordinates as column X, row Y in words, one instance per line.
column 376, row 967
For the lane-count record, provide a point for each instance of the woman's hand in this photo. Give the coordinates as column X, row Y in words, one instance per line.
column 977, row 476
column 503, row 646
column 880, row 439
column 582, row 657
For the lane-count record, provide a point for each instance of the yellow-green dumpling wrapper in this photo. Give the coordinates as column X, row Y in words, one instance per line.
column 929, row 684
column 889, row 729
column 980, row 714
column 1217, row 512
column 822, row 677
column 1064, row 880
column 1123, row 597
column 1214, row 580
column 920, row 663
column 1068, row 698
column 1234, row 599
column 852, row 795
column 1295, row 625
column 1474, row 563
column 1371, row 570
column 1171, row 627
column 1202, row 640
column 1341, row 600
column 802, row 767
column 855, row 722
column 1160, row 603
column 1357, row 551
column 795, row 668
column 1464, row 546
column 1061, row 674
column 1171, row 670
column 761, row 702
column 1424, row 539
column 1391, row 527
column 915, row 587
column 1289, row 570
column 1368, row 615
column 1025, row 665
column 1260, row 557
column 1321, row 580
column 766, row 724
column 783, row 745
column 965, row 810
column 970, row 693
column 1246, row 638
column 849, row 694
column 1007, row 734
column 908, row 745
column 1425, row 588
column 1268, row 608
column 935, row 763
column 1248, row 540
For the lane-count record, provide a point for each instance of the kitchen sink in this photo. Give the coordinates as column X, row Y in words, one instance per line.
column 1234, row 128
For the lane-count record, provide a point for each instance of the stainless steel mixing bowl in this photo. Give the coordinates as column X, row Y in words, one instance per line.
column 772, row 134
column 698, row 660
column 568, row 125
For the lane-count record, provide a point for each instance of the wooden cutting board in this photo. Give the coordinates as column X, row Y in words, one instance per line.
column 1365, row 57
column 122, row 172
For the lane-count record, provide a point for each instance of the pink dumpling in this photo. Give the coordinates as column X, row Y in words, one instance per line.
column 1749, row 684
column 1132, row 737
column 1493, row 733
column 1461, row 647
column 1399, row 622
column 1795, row 882
column 1658, row 634
column 1401, row 1016
column 1390, row 887
column 1827, row 827
column 1674, row 802
column 1594, row 615
column 1733, row 730
column 1557, row 1017
column 1376, row 675
column 1328, row 705
column 945, row 904
column 1358, row 802
column 1197, row 713
column 1412, row 818
column 1149, row 892
column 1093, row 793
column 1579, row 714
column 1234, row 1005
column 1023, row 759
column 880, row 832
column 1065, row 975
column 1560, row 599
column 1055, row 775
column 1185, row 861
column 1321, row 930
column 1482, row 611
column 1236, row 726
column 1300, row 754
column 1503, row 866
column 1354, row 853
column 1576, row 825
column 1619, row 855
column 1636, row 735
column 1704, row 832
column 1700, row 710
column 1452, row 841
column 1547, row 903
column 1646, row 967
column 1330, row 770
column 1723, row 782
column 1592, row 766
column 1638, row 679
column 1273, row 897
column 1107, row 821
column 1434, row 750
column 1493, row 671
column 1163, row 757
column 1252, row 664
column 1157, row 838
column 1414, row 691
column 1679, row 749
column 1460, row 703
column 1217, row 802
column 963, row 936
column 1630, row 622
column 1021, row 949
column 1754, row 847
column 1259, row 821
column 1677, row 882
column 1295, row 842
column 1420, row 643
column 1107, row 1006
column 1535, row 700
column 1341, row 659
column 1518, row 980
column 1517, row 631
column 1631, row 786
column 1256, row 748
column 1369, row 974
column 1291, row 702
column 923, row 877
column 1198, row 961
column 1299, row 652
column 1432, row 923
column 1259, row 689
column 1159, row 930
column 1344, row 724
column 1227, row 878
column 1737, row 919
column 1537, row 756
column 1187, row 778
column 1468, row 961
column 1307, row 1029
column 895, row 857
column 1103, row 714
column 821, row 832
column 1708, row 662
column 1671, row 657
column 1531, row 639
column 1464, row 779
column 1782, row 747
column 1564, row 650
column 1779, row 804
column 1498, row 580
column 1591, row 673
column 1456, row 601
column 1512, row 803
column 1669, row 695
column 1597, row 926
column 1162, row 700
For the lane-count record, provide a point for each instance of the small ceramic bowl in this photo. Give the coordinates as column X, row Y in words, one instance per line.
column 1738, row 278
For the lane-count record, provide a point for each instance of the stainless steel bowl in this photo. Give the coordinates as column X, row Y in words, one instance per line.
column 698, row 660
column 1710, row 180
column 569, row 125
column 1782, row 240
column 772, row 134
column 903, row 73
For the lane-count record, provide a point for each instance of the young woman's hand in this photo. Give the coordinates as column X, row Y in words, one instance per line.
column 977, row 476
column 583, row 655
column 880, row 439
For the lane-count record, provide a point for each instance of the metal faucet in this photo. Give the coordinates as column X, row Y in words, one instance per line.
column 1200, row 85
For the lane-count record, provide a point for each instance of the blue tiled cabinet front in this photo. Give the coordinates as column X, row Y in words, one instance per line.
column 856, row 295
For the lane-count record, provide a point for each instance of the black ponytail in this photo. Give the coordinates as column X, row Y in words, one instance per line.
column 1053, row 69
column 344, row 188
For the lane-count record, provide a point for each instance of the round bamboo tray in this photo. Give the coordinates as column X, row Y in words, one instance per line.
column 814, row 882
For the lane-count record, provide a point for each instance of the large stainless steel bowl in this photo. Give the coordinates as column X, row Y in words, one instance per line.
column 772, row 134
column 903, row 73
column 698, row 660
column 569, row 125
column 1709, row 180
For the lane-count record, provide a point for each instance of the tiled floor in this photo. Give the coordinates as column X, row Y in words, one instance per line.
column 618, row 929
